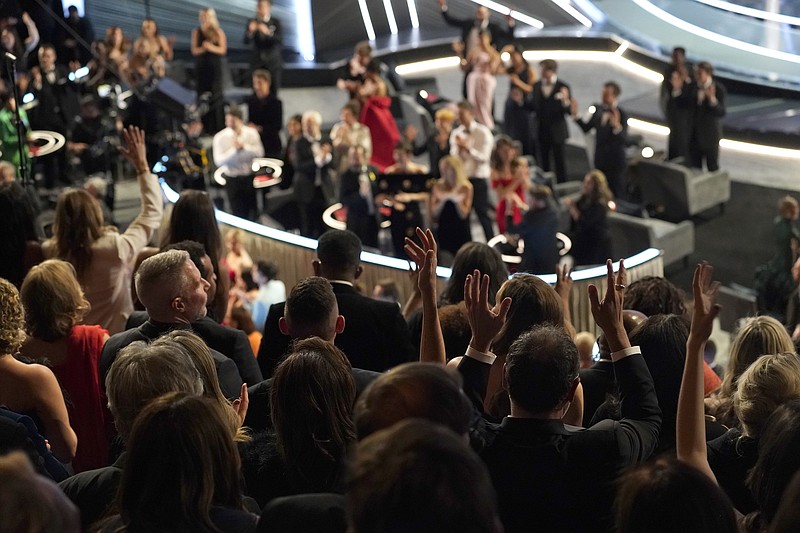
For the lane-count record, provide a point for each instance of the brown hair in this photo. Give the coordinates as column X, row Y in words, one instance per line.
column 53, row 300
column 11, row 318
column 78, row 224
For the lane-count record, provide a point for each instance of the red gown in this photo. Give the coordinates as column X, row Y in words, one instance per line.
column 79, row 376
column 502, row 205
column 376, row 114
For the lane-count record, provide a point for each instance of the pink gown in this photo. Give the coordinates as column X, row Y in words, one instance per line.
column 481, row 84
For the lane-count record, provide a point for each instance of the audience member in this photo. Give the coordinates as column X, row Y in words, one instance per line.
column 357, row 191
column 271, row 290
column 591, row 241
column 585, row 342
column 347, row 133
column 451, row 201
column 264, row 31
column 376, row 337
column 265, row 113
column 101, row 256
column 313, row 188
column 653, row 295
column 54, row 307
column 482, row 63
column 537, row 229
column 209, row 46
column 238, row 258
column 160, row 45
column 517, row 117
column 31, row 389
column 376, row 115
column 241, row 319
column 708, row 98
column 677, row 106
column 551, row 101
column 19, row 247
column 387, row 290
column 81, row 28
column 406, row 212
column 774, row 281
column 508, row 186
column 438, row 143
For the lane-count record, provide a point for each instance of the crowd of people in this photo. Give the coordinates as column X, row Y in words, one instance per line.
column 162, row 378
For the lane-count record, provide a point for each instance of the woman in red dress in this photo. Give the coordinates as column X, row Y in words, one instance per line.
column 376, row 114
column 510, row 182
column 54, row 305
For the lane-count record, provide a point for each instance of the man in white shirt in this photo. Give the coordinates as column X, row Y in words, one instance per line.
column 235, row 147
column 472, row 143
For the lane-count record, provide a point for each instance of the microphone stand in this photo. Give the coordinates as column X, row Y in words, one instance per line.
column 11, row 65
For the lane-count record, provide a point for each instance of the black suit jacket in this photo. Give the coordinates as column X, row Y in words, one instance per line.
column 550, row 112
column 501, row 36
column 259, row 412
column 304, row 513
column 94, row 491
column 217, row 337
column 349, row 191
column 266, row 48
column 541, row 468
column 58, row 103
column 707, row 119
column 267, row 114
column 609, row 152
column 305, row 174
column 598, row 381
column 375, row 336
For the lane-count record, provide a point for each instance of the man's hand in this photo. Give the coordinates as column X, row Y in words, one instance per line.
column 425, row 257
column 564, row 283
column 252, row 26
column 484, row 321
column 705, row 308
column 616, row 119
column 608, row 312
column 134, row 149
column 676, row 80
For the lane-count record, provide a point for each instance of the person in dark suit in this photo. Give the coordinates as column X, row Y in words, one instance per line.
column 539, row 466
column 376, row 337
column 264, row 31
column 676, row 105
column 610, row 124
column 357, row 191
column 551, row 100
column 470, row 33
column 538, row 230
column 265, row 113
column 173, row 292
column 313, row 188
column 310, row 311
column 708, row 100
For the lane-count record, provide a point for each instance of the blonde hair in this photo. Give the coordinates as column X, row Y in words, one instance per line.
column 760, row 335
column 445, row 114
column 458, row 167
column 211, row 17
column 53, row 300
column 788, row 206
column 769, row 382
column 11, row 334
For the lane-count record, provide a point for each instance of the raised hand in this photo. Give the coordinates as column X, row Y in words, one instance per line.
column 705, row 308
column 241, row 404
column 134, row 149
column 484, row 321
column 564, row 282
column 425, row 257
column 607, row 312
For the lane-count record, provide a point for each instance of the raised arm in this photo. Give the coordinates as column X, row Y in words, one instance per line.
column 431, row 348
column 690, row 432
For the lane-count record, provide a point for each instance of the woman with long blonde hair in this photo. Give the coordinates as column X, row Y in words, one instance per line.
column 209, row 47
column 450, row 204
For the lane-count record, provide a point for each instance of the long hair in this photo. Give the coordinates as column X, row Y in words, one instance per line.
column 53, row 300
column 78, row 225
column 11, row 318
column 462, row 180
column 18, row 227
column 471, row 256
column 501, row 141
column 193, row 219
column 769, row 382
column 181, row 463
column 600, row 193
column 312, row 399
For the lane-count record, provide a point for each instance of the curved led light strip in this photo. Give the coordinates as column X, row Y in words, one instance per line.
column 516, row 15
column 574, row 13
column 362, row 5
column 53, row 141
column 716, row 37
column 752, row 12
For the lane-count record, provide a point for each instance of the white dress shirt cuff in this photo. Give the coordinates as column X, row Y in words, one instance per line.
column 487, row 358
column 622, row 354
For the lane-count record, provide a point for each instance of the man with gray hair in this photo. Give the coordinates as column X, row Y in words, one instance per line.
column 172, row 290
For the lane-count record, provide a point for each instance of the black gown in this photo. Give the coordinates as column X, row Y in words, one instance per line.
column 208, row 71
column 453, row 231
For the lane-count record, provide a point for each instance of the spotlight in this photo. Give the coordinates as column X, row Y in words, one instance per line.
column 648, row 152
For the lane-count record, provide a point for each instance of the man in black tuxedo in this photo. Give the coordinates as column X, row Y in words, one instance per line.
column 357, row 191
column 376, row 337
column 708, row 101
column 311, row 310
column 264, row 31
column 57, row 106
column 265, row 113
column 172, row 290
column 610, row 124
column 471, row 29
column 551, row 100
column 541, row 467
column 676, row 105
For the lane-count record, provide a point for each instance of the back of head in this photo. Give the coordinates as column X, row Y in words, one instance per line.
column 417, row 476
column 195, row 250
column 662, row 339
column 268, row 269
column 17, row 225
column 193, row 219
column 160, row 279
column 312, row 397
column 339, row 252
column 472, row 256
column 413, row 390
column 141, row 373
column 760, row 335
column 669, row 496
column 311, row 309
column 78, row 224
column 654, row 296
column 11, row 319
column 53, row 300
column 31, row 503
column 533, row 302
column 769, row 382
column 181, row 462
column 541, row 367
column 778, row 460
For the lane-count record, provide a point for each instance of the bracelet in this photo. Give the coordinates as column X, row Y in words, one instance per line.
column 625, row 352
column 487, row 357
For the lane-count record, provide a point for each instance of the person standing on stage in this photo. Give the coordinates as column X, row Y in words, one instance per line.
column 517, row 118
column 209, row 47
column 708, row 99
column 264, row 31
column 483, row 62
column 551, row 100
column 265, row 113
column 677, row 106
column 470, row 33
column 235, row 147
column 610, row 124
column 472, row 143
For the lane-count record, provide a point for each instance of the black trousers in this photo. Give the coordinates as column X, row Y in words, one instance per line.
column 242, row 196
column 709, row 153
column 547, row 147
column 480, row 204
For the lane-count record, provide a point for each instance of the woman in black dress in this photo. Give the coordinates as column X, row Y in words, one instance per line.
column 209, row 47
column 450, row 205
column 517, row 119
column 591, row 243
